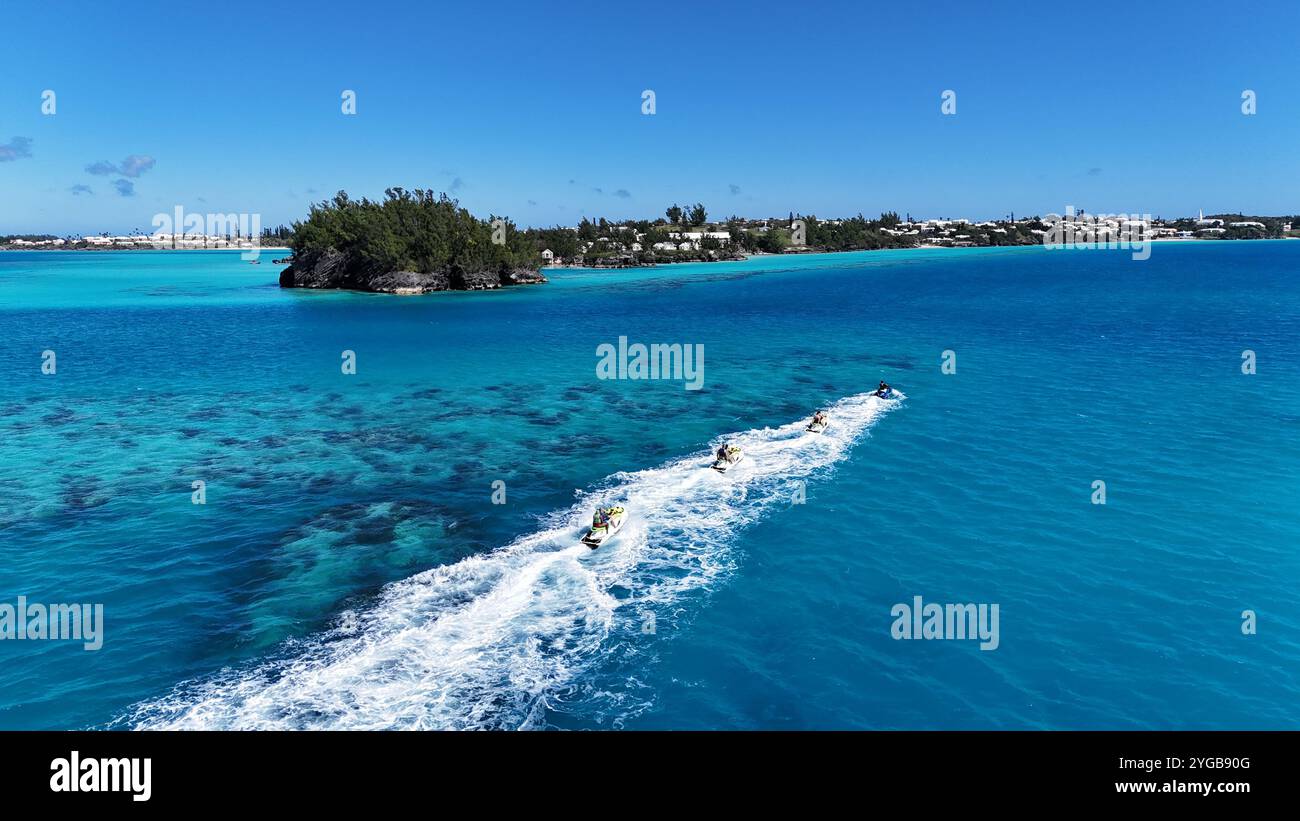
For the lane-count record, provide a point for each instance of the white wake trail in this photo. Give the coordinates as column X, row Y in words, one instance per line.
column 492, row 640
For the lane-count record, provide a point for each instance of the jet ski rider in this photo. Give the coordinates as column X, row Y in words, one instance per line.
column 883, row 389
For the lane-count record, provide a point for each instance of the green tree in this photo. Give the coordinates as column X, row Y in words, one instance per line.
column 410, row 231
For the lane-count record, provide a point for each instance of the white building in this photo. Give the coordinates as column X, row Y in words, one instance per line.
column 1210, row 223
column 695, row 236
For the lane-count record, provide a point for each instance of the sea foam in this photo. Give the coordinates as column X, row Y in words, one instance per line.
column 495, row 640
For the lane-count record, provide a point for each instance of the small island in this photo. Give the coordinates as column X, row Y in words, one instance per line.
column 412, row 242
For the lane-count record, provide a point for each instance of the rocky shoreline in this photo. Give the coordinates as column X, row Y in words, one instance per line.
column 335, row 270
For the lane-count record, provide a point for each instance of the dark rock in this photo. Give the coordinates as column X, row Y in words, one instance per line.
column 522, row 276
column 407, row 282
column 475, row 280
column 331, row 269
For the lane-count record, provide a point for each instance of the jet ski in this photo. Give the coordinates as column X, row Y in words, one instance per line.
column 819, row 423
column 887, row 393
column 732, row 456
column 604, row 524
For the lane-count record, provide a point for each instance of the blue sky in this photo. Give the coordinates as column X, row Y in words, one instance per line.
column 534, row 110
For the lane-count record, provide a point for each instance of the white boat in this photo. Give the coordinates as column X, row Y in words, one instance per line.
column 817, row 425
column 607, row 522
column 730, row 458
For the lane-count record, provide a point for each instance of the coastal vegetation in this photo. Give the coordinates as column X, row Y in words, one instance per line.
column 687, row 235
column 414, row 230
column 410, row 242
column 419, row 232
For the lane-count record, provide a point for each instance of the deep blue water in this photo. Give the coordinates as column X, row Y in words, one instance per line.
column 351, row 570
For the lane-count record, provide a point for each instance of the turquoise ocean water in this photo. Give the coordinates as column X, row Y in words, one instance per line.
column 351, row 570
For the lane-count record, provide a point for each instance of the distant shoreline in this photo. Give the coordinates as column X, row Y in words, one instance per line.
column 99, row 248
column 822, row 252
column 750, row 255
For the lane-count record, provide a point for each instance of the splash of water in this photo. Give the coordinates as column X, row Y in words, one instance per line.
column 492, row 640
